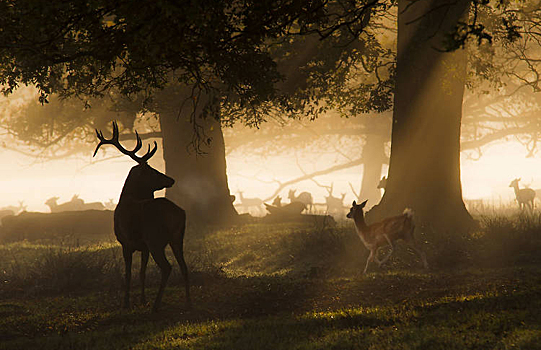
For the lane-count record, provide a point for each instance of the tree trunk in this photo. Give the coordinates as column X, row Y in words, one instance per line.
column 201, row 186
column 424, row 168
column 373, row 157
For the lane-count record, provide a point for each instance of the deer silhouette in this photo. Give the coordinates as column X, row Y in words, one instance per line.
column 74, row 204
column 247, row 203
column 15, row 209
column 525, row 196
column 144, row 223
column 304, row 197
column 334, row 204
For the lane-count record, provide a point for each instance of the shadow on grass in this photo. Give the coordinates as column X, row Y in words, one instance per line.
column 471, row 309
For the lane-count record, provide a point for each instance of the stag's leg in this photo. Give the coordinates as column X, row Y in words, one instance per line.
column 161, row 260
column 127, row 253
column 179, row 255
column 142, row 273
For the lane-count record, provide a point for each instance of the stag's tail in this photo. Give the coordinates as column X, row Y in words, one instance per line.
column 408, row 212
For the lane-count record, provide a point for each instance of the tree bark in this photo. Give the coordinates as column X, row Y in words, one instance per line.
column 424, row 168
column 201, row 186
column 373, row 157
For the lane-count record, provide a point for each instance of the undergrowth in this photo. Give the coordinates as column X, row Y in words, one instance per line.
column 293, row 250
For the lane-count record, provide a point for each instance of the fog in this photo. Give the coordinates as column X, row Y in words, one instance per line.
column 96, row 179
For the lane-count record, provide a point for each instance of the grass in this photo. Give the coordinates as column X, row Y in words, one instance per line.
column 283, row 287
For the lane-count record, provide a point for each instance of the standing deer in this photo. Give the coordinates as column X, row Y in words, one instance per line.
column 525, row 196
column 248, row 203
column 144, row 223
column 384, row 233
column 304, row 198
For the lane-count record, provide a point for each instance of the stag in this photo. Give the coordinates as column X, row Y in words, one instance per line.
column 384, row 233
column 144, row 223
column 525, row 196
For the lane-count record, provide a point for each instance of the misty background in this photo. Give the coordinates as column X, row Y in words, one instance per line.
column 33, row 175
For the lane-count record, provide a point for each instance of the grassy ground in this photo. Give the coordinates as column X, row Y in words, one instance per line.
column 283, row 287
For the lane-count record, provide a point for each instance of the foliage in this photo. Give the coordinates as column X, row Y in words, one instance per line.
column 247, row 61
column 89, row 48
column 311, row 61
column 503, row 38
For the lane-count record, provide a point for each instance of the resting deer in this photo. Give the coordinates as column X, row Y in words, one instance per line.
column 144, row 223
column 15, row 209
column 289, row 209
column 304, row 197
column 74, row 204
column 334, row 204
column 525, row 196
column 384, row 233
column 110, row 204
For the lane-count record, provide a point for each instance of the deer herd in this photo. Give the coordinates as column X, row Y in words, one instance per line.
column 147, row 224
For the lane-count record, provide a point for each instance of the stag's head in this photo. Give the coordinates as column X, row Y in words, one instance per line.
column 143, row 180
column 356, row 210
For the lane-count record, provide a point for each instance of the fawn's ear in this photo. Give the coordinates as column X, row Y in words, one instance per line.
column 363, row 203
column 354, row 203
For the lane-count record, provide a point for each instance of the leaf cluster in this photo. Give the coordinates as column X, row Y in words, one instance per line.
column 90, row 47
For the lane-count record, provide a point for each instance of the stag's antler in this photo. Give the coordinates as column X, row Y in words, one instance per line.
column 114, row 141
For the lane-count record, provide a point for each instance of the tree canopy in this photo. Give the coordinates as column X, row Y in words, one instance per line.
column 90, row 48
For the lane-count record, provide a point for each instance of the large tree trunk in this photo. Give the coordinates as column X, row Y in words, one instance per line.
column 201, row 186
column 373, row 158
column 424, row 168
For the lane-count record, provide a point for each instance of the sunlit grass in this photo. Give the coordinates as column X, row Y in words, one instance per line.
column 479, row 320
